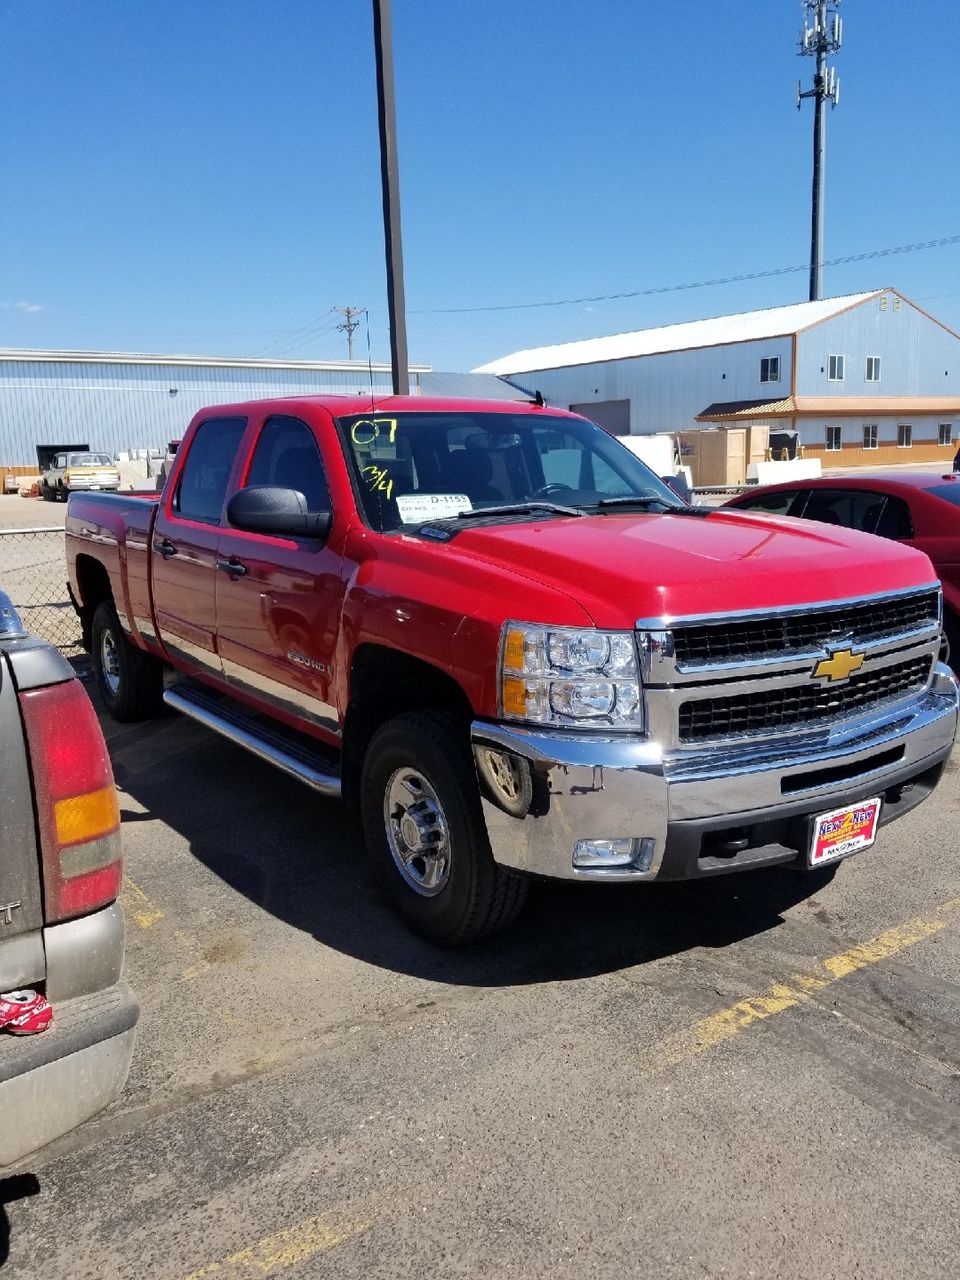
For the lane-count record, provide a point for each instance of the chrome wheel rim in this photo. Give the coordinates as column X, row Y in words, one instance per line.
column 110, row 663
column 417, row 832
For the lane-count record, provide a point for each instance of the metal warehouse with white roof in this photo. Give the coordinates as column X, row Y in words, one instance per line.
column 869, row 378
column 119, row 403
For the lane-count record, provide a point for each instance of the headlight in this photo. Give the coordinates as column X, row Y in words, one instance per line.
column 561, row 676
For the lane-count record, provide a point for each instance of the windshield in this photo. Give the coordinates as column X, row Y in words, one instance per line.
column 414, row 467
column 948, row 492
column 89, row 460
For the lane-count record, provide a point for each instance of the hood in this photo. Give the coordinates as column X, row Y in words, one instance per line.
column 623, row 567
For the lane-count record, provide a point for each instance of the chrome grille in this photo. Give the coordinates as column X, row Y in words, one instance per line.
column 772, row 709
column 743, row 640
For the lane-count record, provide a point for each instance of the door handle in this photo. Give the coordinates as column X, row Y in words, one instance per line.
column 236, row 568
column 166, row 548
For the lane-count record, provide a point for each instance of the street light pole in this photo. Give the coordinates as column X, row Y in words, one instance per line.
column 390, row 176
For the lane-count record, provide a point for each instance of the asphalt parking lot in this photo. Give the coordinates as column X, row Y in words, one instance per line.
column 741, row 1078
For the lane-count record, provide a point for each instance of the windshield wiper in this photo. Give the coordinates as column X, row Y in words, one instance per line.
column 675, row 508
column 443, row 530
column 517, row 509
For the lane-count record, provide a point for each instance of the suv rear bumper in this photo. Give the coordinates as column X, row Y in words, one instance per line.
column 52, row 1082
column 713, row 809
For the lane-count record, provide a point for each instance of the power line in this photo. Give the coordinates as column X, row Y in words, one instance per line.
column 309, row 340
column 697, row 284
column 282, row 342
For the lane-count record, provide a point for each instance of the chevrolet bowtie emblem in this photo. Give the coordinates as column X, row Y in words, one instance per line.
column 839, row 666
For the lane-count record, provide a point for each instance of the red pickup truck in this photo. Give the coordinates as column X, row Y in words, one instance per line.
column 513, row 650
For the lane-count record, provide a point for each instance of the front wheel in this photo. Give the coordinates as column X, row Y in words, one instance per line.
column 424, row 829
column 130, row 681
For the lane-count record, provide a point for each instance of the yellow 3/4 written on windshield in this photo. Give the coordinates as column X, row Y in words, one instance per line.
column 378, row 478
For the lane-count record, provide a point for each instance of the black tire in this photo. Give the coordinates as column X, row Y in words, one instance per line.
column 45, row 491
column 476, row 897
column 133, row 690
column 61, row 493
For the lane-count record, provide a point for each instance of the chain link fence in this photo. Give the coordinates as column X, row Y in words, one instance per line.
column 33, row 572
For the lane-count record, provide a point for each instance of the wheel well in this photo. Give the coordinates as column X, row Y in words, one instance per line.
column 93, row 583
column 385, row 683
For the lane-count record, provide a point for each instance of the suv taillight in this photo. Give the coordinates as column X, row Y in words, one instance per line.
column 77, row 810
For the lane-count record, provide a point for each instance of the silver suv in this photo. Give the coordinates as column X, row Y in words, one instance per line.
column 61, row 927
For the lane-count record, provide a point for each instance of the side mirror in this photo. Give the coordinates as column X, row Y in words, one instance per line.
column 267, row 508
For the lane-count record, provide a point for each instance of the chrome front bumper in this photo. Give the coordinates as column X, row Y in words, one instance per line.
column 710, row 809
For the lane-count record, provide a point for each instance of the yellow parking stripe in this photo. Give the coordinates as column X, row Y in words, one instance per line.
column 138, row 906
column 796, row 990
column 285, row 1249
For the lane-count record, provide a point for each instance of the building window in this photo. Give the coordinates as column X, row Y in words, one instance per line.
column 835, row 373
column 833, row 439
column 946, row 433
column 770, row 369
column 904, row 436
column 873, row 368
column 870, row 435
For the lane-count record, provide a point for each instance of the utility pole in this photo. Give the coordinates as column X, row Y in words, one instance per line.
column 390, row 177
column 821, row 35
column 349, row 324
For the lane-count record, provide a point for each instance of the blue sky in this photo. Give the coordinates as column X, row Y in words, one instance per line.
column 204, row 177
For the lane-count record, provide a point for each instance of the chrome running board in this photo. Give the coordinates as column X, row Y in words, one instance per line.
column 287, row 750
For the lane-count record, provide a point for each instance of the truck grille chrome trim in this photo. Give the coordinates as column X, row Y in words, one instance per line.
column 859, row 624
column 748, row 675
column 769, row 710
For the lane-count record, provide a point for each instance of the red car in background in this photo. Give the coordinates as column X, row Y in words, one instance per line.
column 918, row 509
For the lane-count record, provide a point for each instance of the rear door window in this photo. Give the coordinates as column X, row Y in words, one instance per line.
column 286, row 454
column 785, row 502
column 895, row 520
column 851, row 508
column 203, row 480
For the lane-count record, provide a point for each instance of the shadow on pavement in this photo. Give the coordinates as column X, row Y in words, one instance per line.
column 302, row 859
column 12, row 1189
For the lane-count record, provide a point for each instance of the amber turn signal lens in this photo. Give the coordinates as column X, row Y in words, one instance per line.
column 513, row 650
column 514, row 696
column 87, row 817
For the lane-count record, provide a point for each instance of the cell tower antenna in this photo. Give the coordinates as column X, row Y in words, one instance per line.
column 821, row 35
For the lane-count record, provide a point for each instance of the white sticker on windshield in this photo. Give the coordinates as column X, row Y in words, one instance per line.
column 416, row 508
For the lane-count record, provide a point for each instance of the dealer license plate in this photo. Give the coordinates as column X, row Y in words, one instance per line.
column 844, row 831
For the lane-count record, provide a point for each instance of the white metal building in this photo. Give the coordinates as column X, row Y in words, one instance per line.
column 118, row 403
column 866, row 378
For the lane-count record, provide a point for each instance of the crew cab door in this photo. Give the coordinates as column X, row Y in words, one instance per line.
column 278, row 598
column 185, row 538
